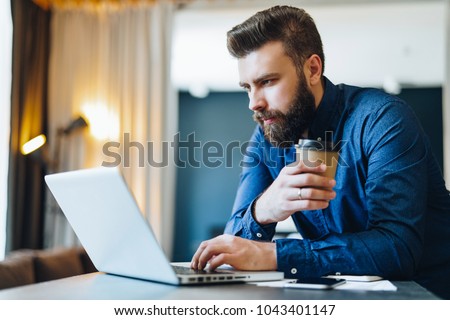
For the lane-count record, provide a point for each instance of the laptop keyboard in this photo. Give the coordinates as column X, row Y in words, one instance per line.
column 189, row 271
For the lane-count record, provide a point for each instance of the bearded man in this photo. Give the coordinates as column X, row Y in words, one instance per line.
column 386, row 213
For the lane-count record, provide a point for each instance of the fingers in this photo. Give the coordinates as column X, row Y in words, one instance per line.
column 299, row 205
column 211, row 251
column 195, row 258
column 208, row 253
column 219, row 260
column 302, row 175
column 300, row 167
column 307, row 198
column 306, row 193
column 309, row 180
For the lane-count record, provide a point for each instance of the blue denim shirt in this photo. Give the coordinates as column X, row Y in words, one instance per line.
column 391, row 215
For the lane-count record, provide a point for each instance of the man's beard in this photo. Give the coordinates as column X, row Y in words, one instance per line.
column 288, row 128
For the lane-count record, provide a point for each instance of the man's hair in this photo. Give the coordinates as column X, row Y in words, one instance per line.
column 292, row 26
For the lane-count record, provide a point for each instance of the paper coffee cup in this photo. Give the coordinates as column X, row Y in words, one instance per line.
column 313, row 153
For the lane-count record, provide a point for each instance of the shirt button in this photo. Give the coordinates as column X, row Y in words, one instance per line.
column 259, row 235
column 293, row 270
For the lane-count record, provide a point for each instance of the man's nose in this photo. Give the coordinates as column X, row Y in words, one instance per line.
column 257, row 102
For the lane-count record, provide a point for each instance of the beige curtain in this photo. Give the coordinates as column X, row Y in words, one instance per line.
column 111, row 64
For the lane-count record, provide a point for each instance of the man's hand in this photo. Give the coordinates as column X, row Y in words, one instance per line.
column 296, row 188
column 242, row 254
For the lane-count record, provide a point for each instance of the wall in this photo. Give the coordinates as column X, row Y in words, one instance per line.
column 205, row 195
column 367, row 43
column 427, row 104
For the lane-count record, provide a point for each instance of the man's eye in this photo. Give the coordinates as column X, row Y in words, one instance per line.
column 266, row 82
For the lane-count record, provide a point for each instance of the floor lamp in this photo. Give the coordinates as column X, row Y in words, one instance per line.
column 38, row 149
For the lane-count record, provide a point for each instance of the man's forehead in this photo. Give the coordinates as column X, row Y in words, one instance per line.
column 269, row 51
column 270, row 58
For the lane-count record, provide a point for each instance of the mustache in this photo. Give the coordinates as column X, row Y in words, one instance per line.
column 261, row 115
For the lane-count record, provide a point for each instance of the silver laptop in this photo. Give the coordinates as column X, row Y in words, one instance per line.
column 104, row 215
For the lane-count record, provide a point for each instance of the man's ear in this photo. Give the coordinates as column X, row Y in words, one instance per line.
column 313, row 70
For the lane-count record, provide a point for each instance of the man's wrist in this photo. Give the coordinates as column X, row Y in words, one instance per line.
column 252, row 207
column 269, row 252
column 255, row 209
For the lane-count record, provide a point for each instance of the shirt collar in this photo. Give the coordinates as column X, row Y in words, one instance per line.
column 328, row 112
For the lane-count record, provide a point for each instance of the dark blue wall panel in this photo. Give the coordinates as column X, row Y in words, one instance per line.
column 205, row 193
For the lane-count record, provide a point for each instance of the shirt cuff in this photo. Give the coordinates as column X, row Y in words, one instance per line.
column 255, row 231
column 295, row 258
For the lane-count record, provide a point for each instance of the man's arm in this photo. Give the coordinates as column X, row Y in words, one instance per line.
column 261, row 201
column 280, row 200
column 395, row 191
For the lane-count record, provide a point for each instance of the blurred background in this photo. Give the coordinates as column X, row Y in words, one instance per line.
column 155, row 77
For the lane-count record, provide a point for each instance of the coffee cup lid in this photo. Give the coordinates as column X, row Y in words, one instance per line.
column 314, row 144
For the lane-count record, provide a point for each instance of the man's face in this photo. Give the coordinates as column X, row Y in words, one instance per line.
column 281, row 101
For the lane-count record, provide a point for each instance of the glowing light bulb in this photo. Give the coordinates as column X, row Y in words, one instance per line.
column 33, row 144
column 103, row 122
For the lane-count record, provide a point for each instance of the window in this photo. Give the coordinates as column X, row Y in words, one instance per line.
column 5, row 107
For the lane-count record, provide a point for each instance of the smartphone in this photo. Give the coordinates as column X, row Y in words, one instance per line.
column 315, row 283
